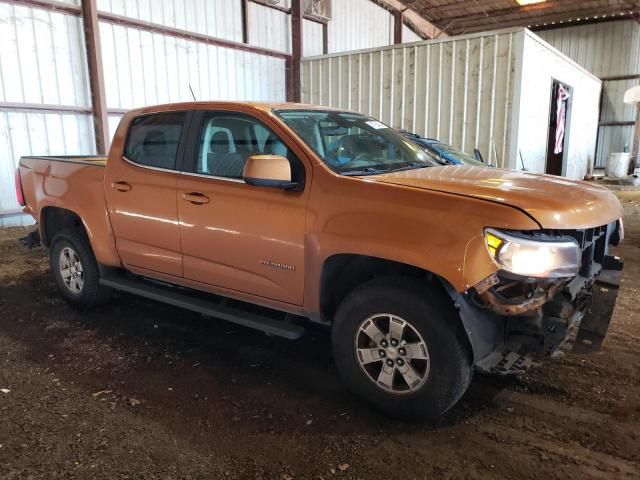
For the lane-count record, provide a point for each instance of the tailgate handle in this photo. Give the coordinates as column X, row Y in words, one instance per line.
column 121, row 186
column 196, row 198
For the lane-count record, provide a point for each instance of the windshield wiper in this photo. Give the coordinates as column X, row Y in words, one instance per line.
column 411, row 166
column 364, row 171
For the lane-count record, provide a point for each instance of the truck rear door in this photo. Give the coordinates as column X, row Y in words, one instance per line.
column 140, row 188
column 236, row 236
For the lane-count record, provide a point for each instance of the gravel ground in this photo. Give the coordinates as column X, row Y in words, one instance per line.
column 140, row 390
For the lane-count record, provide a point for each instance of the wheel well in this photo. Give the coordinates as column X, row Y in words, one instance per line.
column 55, row 219
column 343, row 272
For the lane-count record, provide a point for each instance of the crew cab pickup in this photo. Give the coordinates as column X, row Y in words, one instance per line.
column 275, row 215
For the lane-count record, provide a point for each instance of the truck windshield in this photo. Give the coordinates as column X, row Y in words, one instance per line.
column 353, row 144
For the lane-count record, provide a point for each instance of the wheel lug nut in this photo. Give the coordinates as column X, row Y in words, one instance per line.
column 382, row 353
column 402, row 351
column 394, row 342
column 384, row 343
column 400, row 362
column 390, row 363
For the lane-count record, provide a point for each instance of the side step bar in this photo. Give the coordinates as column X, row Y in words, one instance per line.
column 248, row 319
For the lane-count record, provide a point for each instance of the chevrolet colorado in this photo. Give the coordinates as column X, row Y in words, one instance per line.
column 273, row 215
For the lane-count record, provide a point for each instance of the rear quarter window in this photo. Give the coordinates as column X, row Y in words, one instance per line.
column 153, row 139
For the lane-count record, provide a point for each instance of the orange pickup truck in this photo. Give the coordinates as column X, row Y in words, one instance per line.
column 275, row 215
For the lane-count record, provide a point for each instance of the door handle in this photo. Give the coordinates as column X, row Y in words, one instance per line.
column 121, row 186
column 196, row 198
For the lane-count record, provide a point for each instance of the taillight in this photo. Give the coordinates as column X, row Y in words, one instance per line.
column 19, row 193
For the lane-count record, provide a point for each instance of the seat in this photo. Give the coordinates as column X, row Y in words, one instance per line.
column 219, row 145
column 221, row 161
column 274, row 146
column 154, row 150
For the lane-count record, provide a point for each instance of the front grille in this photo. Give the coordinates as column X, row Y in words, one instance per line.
column 593, row 243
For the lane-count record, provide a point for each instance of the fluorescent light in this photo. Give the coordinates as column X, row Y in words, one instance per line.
column 529, row 2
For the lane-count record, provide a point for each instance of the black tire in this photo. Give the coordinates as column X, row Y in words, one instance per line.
column 430, row 313
column 91, row 293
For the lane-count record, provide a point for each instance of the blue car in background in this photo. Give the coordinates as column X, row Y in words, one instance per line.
column 447, row 153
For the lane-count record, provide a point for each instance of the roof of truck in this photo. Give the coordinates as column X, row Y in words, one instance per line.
column 264, row 106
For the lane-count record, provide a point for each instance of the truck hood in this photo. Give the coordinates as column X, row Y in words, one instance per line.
column 554, row 202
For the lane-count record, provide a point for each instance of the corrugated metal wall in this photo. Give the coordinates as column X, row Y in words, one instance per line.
column 42, row 61
column 606, row 49
column 218, row 18
column 143, row 68
column 312, row 38
column 456, row 89
column 269, row 28
column 409, row 35
column 359, row 24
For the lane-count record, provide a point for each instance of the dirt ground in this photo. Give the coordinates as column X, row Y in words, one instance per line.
column 139, row 390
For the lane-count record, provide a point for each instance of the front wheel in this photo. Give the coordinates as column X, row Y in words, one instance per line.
column 75, row 270
column 398, row 345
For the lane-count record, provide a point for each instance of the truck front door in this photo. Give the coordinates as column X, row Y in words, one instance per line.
column 239, row 237
column 140, row 189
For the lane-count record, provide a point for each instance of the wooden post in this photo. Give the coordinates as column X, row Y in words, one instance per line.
column 296, row 48
column 96, row 75
column 397, row 26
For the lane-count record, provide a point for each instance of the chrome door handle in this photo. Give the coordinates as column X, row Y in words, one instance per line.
column 196, row 198
column 121, row 186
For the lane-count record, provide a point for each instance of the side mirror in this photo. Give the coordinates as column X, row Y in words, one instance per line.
column 478, row 155
column 268, row 171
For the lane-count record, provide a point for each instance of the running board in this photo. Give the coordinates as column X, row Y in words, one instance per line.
column 166, row 295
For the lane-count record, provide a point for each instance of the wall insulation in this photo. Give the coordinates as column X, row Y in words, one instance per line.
column 218, row 18
column 144, row 68
column 606, row 49
column 409, row 35
column 467, row 91
column 359, row 24
column 42, row 61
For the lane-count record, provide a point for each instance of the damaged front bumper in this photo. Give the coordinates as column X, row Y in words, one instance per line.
column 513, row 321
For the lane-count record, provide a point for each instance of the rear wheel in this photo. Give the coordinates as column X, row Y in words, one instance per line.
column 398, row 344
column 75, row 270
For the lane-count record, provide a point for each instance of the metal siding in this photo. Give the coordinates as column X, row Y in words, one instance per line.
column 312, row 38
column 43, row 60
column 359, row 24
column 37, row 134
column 161, row 68
column 219, row 18
column 458, row 90
column 51, row 70
column 606, row 49
column 409, row 35
column 269, row 28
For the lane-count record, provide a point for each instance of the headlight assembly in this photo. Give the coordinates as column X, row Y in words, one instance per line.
column 533, row 258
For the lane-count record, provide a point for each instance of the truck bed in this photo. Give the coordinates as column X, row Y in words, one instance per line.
column 100, row 160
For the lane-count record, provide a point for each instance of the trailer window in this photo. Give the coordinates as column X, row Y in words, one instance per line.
column 153, row 140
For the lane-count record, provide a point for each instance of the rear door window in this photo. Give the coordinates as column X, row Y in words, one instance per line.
column 153, row 139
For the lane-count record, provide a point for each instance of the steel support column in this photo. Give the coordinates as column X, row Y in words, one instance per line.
column 397, row 26
column 244, row 4
column 296, row 50
column 96, row 75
